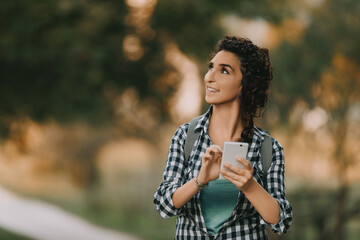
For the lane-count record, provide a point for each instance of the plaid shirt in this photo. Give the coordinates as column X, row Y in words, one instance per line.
column 245, row 222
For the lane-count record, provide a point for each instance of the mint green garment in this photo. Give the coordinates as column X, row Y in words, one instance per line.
column 217, row 203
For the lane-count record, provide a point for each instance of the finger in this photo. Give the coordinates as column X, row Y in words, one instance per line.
column 246, row 174
column 215, row 153
column 230, row 180
column 244, row 162
column 209, row 152
column 232, row 167
column 217, row 147
column 236, row 180
column 219, row 161
column 230, row 174
column 206, row 156
column 211, row 157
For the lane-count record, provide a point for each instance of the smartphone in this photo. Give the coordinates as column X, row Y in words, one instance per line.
column 231, row 150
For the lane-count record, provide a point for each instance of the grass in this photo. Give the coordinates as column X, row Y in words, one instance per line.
column 144, row 222
column 6, row 235
column 137, row 216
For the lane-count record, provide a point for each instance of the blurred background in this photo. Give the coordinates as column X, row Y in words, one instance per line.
column 91, row 93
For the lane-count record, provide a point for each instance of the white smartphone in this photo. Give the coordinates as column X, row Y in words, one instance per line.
column 231, row 150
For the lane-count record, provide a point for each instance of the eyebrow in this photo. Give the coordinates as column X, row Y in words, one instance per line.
column 222, row 64
column 226, row 65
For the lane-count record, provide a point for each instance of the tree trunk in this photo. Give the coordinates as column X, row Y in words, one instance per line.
column 340, row 220
column 342, row 165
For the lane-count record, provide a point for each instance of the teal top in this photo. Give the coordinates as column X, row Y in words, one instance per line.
column 217, row 203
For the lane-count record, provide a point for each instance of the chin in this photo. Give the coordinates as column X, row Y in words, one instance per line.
column 209, row 100
column 213, row 101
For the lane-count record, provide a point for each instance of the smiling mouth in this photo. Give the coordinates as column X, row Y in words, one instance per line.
column 213, row 90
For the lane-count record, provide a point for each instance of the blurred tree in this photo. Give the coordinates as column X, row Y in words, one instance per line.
column 322, row 69
column 332, row 29
column 70, row 60
column 65, row 60
column 95, row 61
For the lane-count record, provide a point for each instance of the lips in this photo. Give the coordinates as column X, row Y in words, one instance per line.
column 212, row 90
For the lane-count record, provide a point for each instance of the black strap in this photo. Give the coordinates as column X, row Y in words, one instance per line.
column 266, row 159
column 190, row 139
column 266, row 155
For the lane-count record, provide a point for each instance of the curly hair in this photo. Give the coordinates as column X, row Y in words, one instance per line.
column 257, row 74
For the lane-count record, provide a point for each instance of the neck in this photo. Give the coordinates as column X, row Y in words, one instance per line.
column 226, row 119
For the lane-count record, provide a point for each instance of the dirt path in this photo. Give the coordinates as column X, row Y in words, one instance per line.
column 43, row 221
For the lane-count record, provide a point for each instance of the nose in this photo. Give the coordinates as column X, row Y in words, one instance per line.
column 209, row 76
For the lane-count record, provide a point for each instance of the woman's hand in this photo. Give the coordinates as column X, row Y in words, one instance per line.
column 210, row 170
column 210, row 164
column 242, row 178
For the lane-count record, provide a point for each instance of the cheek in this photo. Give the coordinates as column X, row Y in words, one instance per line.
column 233, row 85
column 234, row 89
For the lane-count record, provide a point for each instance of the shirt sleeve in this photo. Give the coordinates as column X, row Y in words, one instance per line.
column 276, row 188
column 173, row 176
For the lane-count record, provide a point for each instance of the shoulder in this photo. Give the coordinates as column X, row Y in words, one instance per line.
column 261, row 134
column 196, row 124
column 181, row 133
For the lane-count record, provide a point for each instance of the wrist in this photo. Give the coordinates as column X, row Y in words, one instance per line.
column 201, row 178
column 200, row 184
column 248, row 186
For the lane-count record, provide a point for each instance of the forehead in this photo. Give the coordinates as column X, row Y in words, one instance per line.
column 225, row 57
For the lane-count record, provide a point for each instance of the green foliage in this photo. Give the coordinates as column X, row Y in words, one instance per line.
column 315, row 213
column 64, row 60
column 195, row 25
column 313, row 206
column 11, row 236
column 332, row 29
column 61, row 60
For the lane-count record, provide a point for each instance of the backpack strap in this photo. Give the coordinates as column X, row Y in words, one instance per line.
column 266, row 159
column 190, row 138
column 266, row 154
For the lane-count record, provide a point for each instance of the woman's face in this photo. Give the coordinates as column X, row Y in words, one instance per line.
column 223, row 79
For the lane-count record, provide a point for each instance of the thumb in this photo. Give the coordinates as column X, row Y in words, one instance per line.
column 219, row 161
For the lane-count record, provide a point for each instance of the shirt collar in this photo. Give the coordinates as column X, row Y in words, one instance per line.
column 259, row 133
column 203, row 123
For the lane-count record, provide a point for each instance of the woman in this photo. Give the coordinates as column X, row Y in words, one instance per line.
column 239, row 207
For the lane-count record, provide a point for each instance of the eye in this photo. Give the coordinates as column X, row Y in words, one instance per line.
column 224, row 71
column 211, row 66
